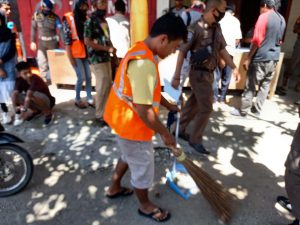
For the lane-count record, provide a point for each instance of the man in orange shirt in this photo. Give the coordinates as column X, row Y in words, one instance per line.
column 132, row 112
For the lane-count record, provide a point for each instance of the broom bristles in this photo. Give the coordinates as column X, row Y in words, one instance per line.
column 213, row 192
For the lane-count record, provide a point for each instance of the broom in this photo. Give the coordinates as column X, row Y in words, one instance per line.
column 214, row 193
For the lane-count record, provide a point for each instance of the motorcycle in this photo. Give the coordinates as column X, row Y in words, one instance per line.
column 16, row 166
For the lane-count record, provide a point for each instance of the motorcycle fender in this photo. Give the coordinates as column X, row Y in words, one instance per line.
column 8, row 138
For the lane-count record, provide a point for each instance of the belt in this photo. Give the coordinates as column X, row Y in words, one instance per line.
column 43, row 38
column 201, row 68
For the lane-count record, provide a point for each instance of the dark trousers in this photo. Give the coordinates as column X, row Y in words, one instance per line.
column 225, row 76
column 261, row 74
column 199, row 105
column 292, row 174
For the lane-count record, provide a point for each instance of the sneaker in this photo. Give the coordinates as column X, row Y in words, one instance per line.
column 199, row 148
column 48, row 120
column 18, row 120
column 284, row 202
column 6, row 119
column 90, row 103
column 254, row 111
column 237, row 112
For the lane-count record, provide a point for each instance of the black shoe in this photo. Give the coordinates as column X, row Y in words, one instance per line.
column 199, row 148
column 295, row 222
column 284, row 202
column 101, row 123
column 280, row 91
column 255, row 112
column 48, row 120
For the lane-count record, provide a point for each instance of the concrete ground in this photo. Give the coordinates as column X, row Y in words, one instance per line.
column 74, row 159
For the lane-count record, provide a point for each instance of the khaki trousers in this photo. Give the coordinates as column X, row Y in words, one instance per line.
column 102, row 73
column 199, row 105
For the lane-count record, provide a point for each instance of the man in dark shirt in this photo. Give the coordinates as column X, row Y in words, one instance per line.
column 262, row 58
column 31, row 96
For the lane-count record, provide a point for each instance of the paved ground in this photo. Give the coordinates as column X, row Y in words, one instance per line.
column 74, row 159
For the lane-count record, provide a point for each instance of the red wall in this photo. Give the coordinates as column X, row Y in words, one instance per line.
column 27, row 8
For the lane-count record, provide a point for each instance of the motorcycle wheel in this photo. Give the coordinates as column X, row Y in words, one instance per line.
column 16, row 169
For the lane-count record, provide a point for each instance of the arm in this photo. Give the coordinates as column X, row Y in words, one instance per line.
column 171, row 107
column 149, row 117
column 12, row 50
column 176, row 77
column 29, row 96
column 297, row 26
column 253, row 50
column 228, row 60
column 97, row 47
column 33, row 33
column 59, row 28
column 68, row 41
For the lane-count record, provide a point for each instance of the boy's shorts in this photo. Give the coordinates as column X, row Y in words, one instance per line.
column 139, row 155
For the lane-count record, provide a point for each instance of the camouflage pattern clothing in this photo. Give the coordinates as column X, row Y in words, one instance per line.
column 97, row 30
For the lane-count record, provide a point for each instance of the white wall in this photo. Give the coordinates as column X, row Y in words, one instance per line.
column 290, row 37
column 161, row 5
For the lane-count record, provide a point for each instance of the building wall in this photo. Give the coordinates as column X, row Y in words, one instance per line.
column 290, row 37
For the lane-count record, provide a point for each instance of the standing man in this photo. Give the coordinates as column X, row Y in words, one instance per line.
column 132, row 112
column 73, row 25
column 231, row 30
column 262, row 58
column 96, row 37
column 206, row 45
column 295, row 60
column 7, row 60
column 178, row 8
column 119, row 29
column 44, row 25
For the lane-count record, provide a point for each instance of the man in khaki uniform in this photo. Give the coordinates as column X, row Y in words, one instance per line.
column 292, row 175
column 207, row 46
column 295, row 60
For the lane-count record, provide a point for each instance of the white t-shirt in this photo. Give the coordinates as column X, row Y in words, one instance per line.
column 119, row 33
column 231, row 30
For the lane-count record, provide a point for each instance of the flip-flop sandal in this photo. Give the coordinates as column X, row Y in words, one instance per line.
column 123, row 193
column 284, row 202
column 155, row 212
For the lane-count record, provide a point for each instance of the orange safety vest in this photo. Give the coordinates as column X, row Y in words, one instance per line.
column 77, row 46
column 120, row 111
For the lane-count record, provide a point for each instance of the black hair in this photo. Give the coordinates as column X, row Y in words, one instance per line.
column 230, row 7
column 4, row 2
column 271, row 4
column 120, row 6
column 22, row 66
column 171, row 25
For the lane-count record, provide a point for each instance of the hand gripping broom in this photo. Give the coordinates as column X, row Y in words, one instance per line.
column 214, row 193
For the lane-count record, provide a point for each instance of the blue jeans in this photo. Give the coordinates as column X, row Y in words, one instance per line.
column 82, row 69
column 225, row 77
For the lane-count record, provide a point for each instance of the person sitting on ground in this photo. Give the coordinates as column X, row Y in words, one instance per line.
column 31, row 96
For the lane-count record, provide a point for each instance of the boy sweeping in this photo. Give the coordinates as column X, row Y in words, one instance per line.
column 132, row 112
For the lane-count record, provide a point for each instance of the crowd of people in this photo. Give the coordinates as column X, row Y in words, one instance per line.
column 94, row 45
column 206, row 35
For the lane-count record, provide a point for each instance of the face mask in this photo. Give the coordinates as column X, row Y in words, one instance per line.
column 100, row 12
column 220, row 16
